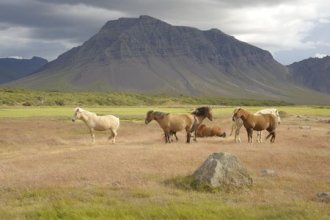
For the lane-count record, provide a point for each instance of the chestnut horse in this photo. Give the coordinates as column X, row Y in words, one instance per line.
column 257, row 122
column 204, row 131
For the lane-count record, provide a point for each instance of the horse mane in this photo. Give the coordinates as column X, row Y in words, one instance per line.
column 81, row 110
column 78, row 109
column 201, row 111
column 160, row 114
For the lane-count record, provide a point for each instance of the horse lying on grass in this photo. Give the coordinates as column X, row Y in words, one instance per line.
column 98, row 123
column 237, row 124
column 204, row 131
column 257, row 122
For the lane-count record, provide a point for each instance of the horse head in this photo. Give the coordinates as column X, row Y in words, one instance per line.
column 77, row 114
column 238, row 112
column 149, row 117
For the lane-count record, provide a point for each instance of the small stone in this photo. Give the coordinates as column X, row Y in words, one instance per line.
column 267, row 172
column 323, row 196
column 305, row 127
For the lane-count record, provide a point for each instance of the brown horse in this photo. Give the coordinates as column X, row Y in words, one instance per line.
column 257, row 122
column 204, row 131
column 172, row 123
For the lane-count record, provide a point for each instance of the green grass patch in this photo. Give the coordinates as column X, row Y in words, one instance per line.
column 139, row 112
column 107, row 203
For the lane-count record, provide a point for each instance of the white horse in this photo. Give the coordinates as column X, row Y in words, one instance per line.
column 98, row 123
column 238, row 123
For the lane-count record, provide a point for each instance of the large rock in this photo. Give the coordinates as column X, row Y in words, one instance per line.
column 222, row 170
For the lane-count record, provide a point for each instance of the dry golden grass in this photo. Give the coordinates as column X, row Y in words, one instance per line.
column 54, row 153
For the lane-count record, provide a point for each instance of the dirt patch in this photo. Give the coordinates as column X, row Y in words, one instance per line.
column 46, row 153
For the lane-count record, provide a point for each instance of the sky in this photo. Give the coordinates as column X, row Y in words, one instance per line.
column 292, row 30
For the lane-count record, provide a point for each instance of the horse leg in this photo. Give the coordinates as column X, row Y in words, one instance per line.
column 176, row 137
column 195, row 136
column 233, row 127
column 271, row 133
column 272, row 140
column 173, row 134
column 249, row 133
column 238, row 127
column 167, row 137
column 258, row 136
column 92, row 135
column 114, row 134
column 237, row 137
column 110, row 134
column 188, row 137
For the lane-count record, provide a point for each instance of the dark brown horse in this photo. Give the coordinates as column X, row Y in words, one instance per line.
column 257, row 122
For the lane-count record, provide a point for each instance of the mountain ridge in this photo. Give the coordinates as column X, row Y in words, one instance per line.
column 313, row 73
column 12, row 68
column 148, row 55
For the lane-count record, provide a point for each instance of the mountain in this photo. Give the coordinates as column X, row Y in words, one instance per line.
column 12, row 69
column 313, row 73
column 147, row 55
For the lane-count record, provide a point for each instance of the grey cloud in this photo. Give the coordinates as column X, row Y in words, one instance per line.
column 54, row 29
column 49, row 50
column 129, row 5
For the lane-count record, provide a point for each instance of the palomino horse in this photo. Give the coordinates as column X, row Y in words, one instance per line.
column 237, row 124
column 98, row 123
column 172, row 123
column 257, row 122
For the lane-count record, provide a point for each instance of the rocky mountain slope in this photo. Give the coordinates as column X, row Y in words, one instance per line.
column 147, row 55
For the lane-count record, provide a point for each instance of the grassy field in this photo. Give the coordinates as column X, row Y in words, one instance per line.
column 50, row 170
column 129, row 112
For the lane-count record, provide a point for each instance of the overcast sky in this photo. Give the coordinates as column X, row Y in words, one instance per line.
column 291, row 30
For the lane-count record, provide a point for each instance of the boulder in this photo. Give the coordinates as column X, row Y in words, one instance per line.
column 222, row 170
column 323, row 197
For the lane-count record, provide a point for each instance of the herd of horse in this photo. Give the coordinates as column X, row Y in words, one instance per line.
column 191, row 123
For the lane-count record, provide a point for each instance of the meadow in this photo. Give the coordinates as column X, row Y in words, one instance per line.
column 50, row 170
column 21, row 97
